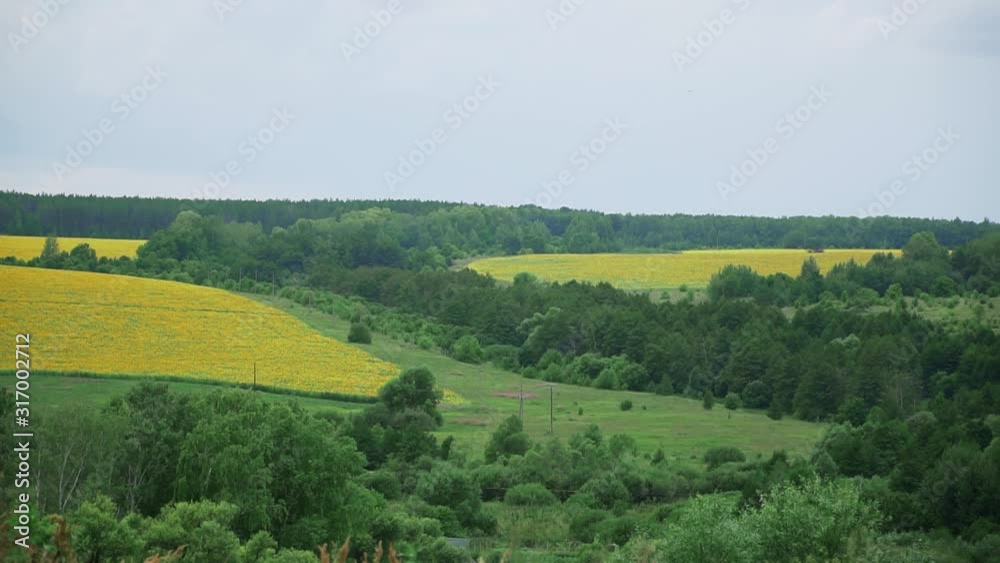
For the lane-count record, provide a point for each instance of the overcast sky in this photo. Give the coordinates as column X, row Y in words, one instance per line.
column 650, row 106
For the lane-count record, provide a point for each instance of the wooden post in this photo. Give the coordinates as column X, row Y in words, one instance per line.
column 255, row 376
column 520, row 411
column 551, row 414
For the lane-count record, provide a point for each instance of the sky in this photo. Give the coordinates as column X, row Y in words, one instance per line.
column 736, row 107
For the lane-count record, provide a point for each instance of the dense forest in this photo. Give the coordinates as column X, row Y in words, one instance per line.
column 912, row 402
column 460, row 229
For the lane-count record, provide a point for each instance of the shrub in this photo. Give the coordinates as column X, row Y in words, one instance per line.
column 618, row 531
column 384, row 482
column 584, row 524
column 467, row 350
column 756, row 395
column 502, row 356
column 733, row 401
column 723, row 454
column 359, row 334
column 605, row 491
column 708, row 400
column 625, row 405
column 529, row 494
column 658, row 457
column 509, row 439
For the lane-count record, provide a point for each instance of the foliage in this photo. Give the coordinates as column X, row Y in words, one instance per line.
column 359, row 334
column 466, row 349
column 529, row 494
column 733, row 401
column 509, row 439
column 715, row 457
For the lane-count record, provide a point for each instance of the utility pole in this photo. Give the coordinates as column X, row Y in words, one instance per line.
column 552, row 429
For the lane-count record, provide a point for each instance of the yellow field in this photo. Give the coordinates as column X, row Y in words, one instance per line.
column 26, row 248
column 658, row 271
column 105, row 324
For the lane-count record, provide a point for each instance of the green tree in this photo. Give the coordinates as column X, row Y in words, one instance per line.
column 51, row 257
column 98, row 535
column 715, row 457
column 708, row 400
column 467, row 350
column 413, row 389
column 359, row 333
column 733, row 401
column 815, row 521
column 509, row 439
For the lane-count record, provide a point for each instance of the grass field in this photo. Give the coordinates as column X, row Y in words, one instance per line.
column 26, row 248
column 679, row 425
column 660, row 271
column 117, row 325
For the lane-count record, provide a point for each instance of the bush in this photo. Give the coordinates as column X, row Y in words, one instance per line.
column 724, row 454
column 383, row 482
column 584, row 524
column 658, row 457
column 708, row 400
column 440, row 551
column 618, row 531
column 606, row 491
column 756, row 395
column 359, row 334
column 502, row 356
column 529, row 494
column 625, row 405
column 733, row 401
column 467, row 350
column 509, row 439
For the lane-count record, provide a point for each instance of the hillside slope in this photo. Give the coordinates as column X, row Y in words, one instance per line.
column 116, row 325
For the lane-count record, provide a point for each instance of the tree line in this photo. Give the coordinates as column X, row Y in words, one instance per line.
column 403, row 228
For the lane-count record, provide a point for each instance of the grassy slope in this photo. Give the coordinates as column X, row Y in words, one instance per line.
column 680, row 426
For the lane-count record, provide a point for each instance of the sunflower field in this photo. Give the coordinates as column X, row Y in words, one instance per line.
column 26, row 248
column 658, row 271
column 118, row 325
